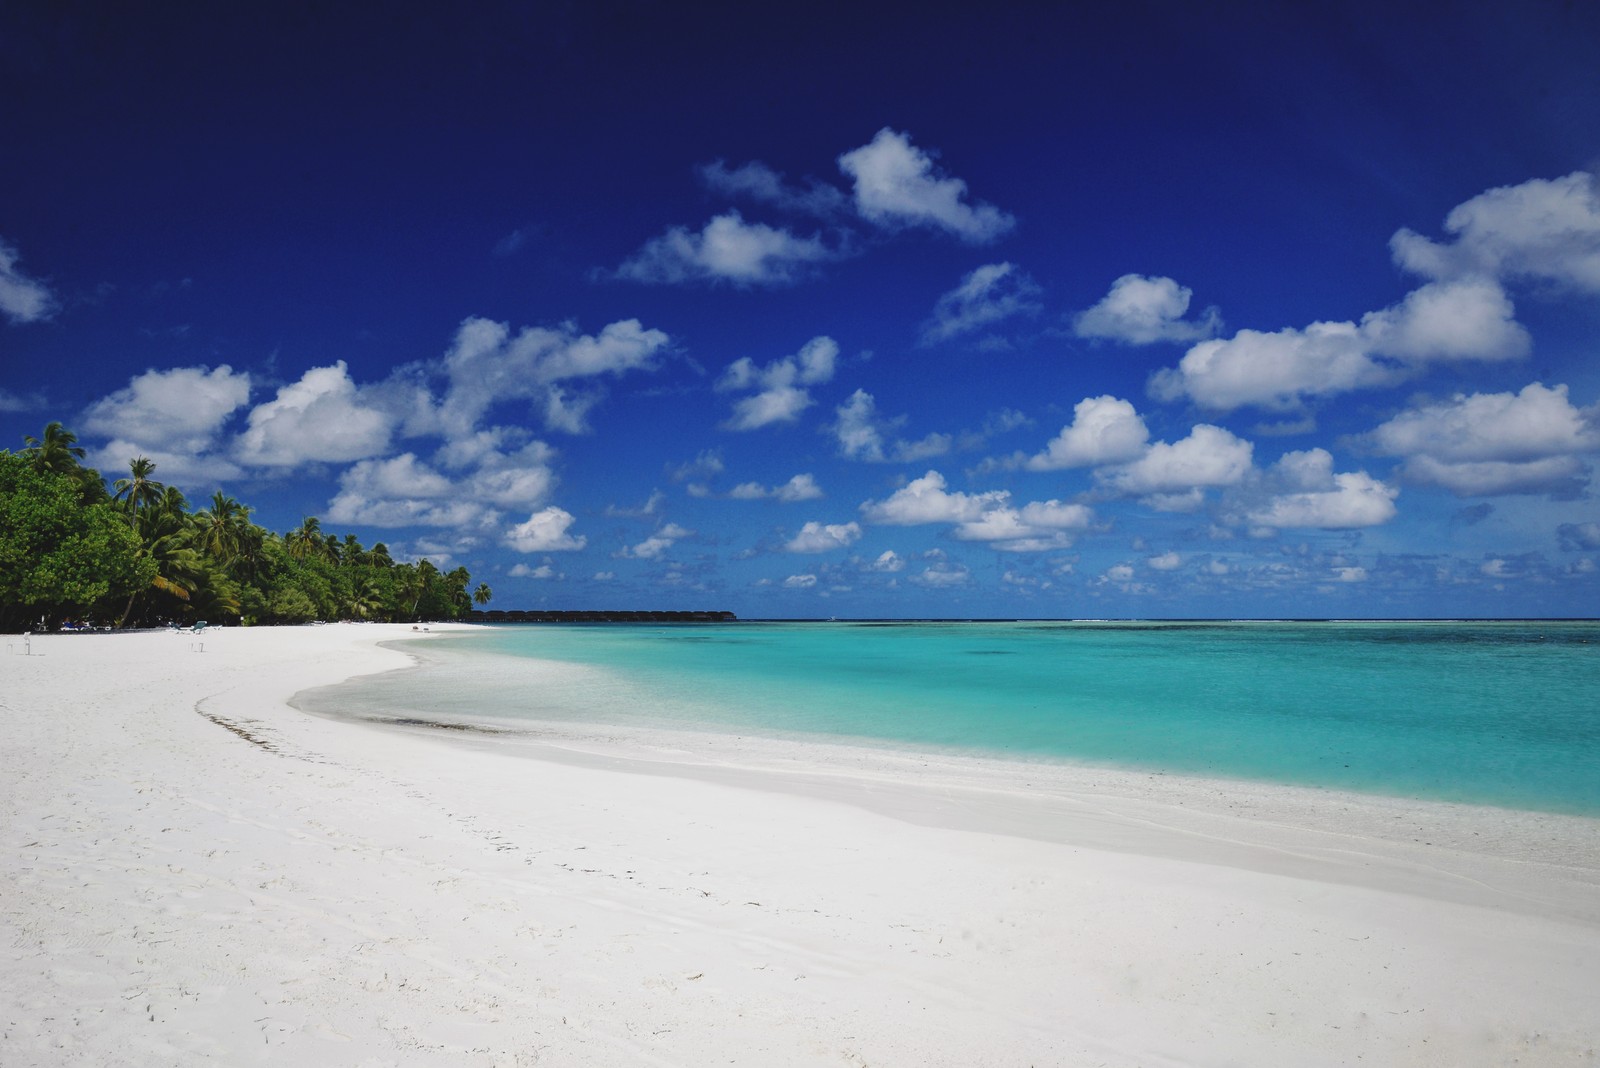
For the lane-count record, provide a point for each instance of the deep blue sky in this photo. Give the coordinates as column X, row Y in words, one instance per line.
column 853, row 310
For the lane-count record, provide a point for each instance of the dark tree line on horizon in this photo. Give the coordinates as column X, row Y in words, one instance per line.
column 134, row 554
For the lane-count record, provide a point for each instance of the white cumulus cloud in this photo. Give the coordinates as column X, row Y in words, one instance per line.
column 1104, row 430
column 1172, row 476
column 658, row 543
column 174, row 418
column 1312, row 495
column 986, row 295
column 183, row 407
column 399, row 476
column 862, row 435
column 173, row 466
column 505, row 474
column 349, row 507
column 898, row 185
column 759, row 182
column 802, row 487
column 1469, row 319
column 943, row 576
column 781, row 386
column 1141, row 310
column 926, row 500
column 488, row 365
column 544, row 532
column 1035, row 527
column 405, row 491
column 322, row 417
column 727, row 249
column 816, row 537
column 1558, row 476
column 888, row 562
column 22, row 299
column 1540, row 230
column 1486, row 444
column 988, row 517
column 1276, row 371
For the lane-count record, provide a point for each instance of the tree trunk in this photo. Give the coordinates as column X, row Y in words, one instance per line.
column 123, row 622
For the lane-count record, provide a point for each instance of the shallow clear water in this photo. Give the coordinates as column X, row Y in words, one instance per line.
column 1493, row 713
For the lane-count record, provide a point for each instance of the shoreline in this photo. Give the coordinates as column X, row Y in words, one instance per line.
column 1471, row 854
column 1457, row 756
column 292, row 886
column 801, row 764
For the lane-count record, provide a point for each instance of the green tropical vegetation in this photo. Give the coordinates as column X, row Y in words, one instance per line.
column 137, row 555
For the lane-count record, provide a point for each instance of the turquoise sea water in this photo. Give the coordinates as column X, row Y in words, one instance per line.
column 1494, row 713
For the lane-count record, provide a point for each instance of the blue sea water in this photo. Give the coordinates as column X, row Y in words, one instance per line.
column 1500, row 713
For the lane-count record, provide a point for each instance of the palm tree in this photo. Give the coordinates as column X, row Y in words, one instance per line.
column 168, row 534
column 217, row 595
column 57, row 451
column 252, row 548
column 223, row 528
column 366, row 599
column 307, row 542
column 301, row 540
column 456, row 583
column 482, row 595
column 171, row 502
column 407, row 588
column 140, row 488
column 420, row 582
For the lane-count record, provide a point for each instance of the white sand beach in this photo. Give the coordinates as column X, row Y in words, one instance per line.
column 193, row 872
